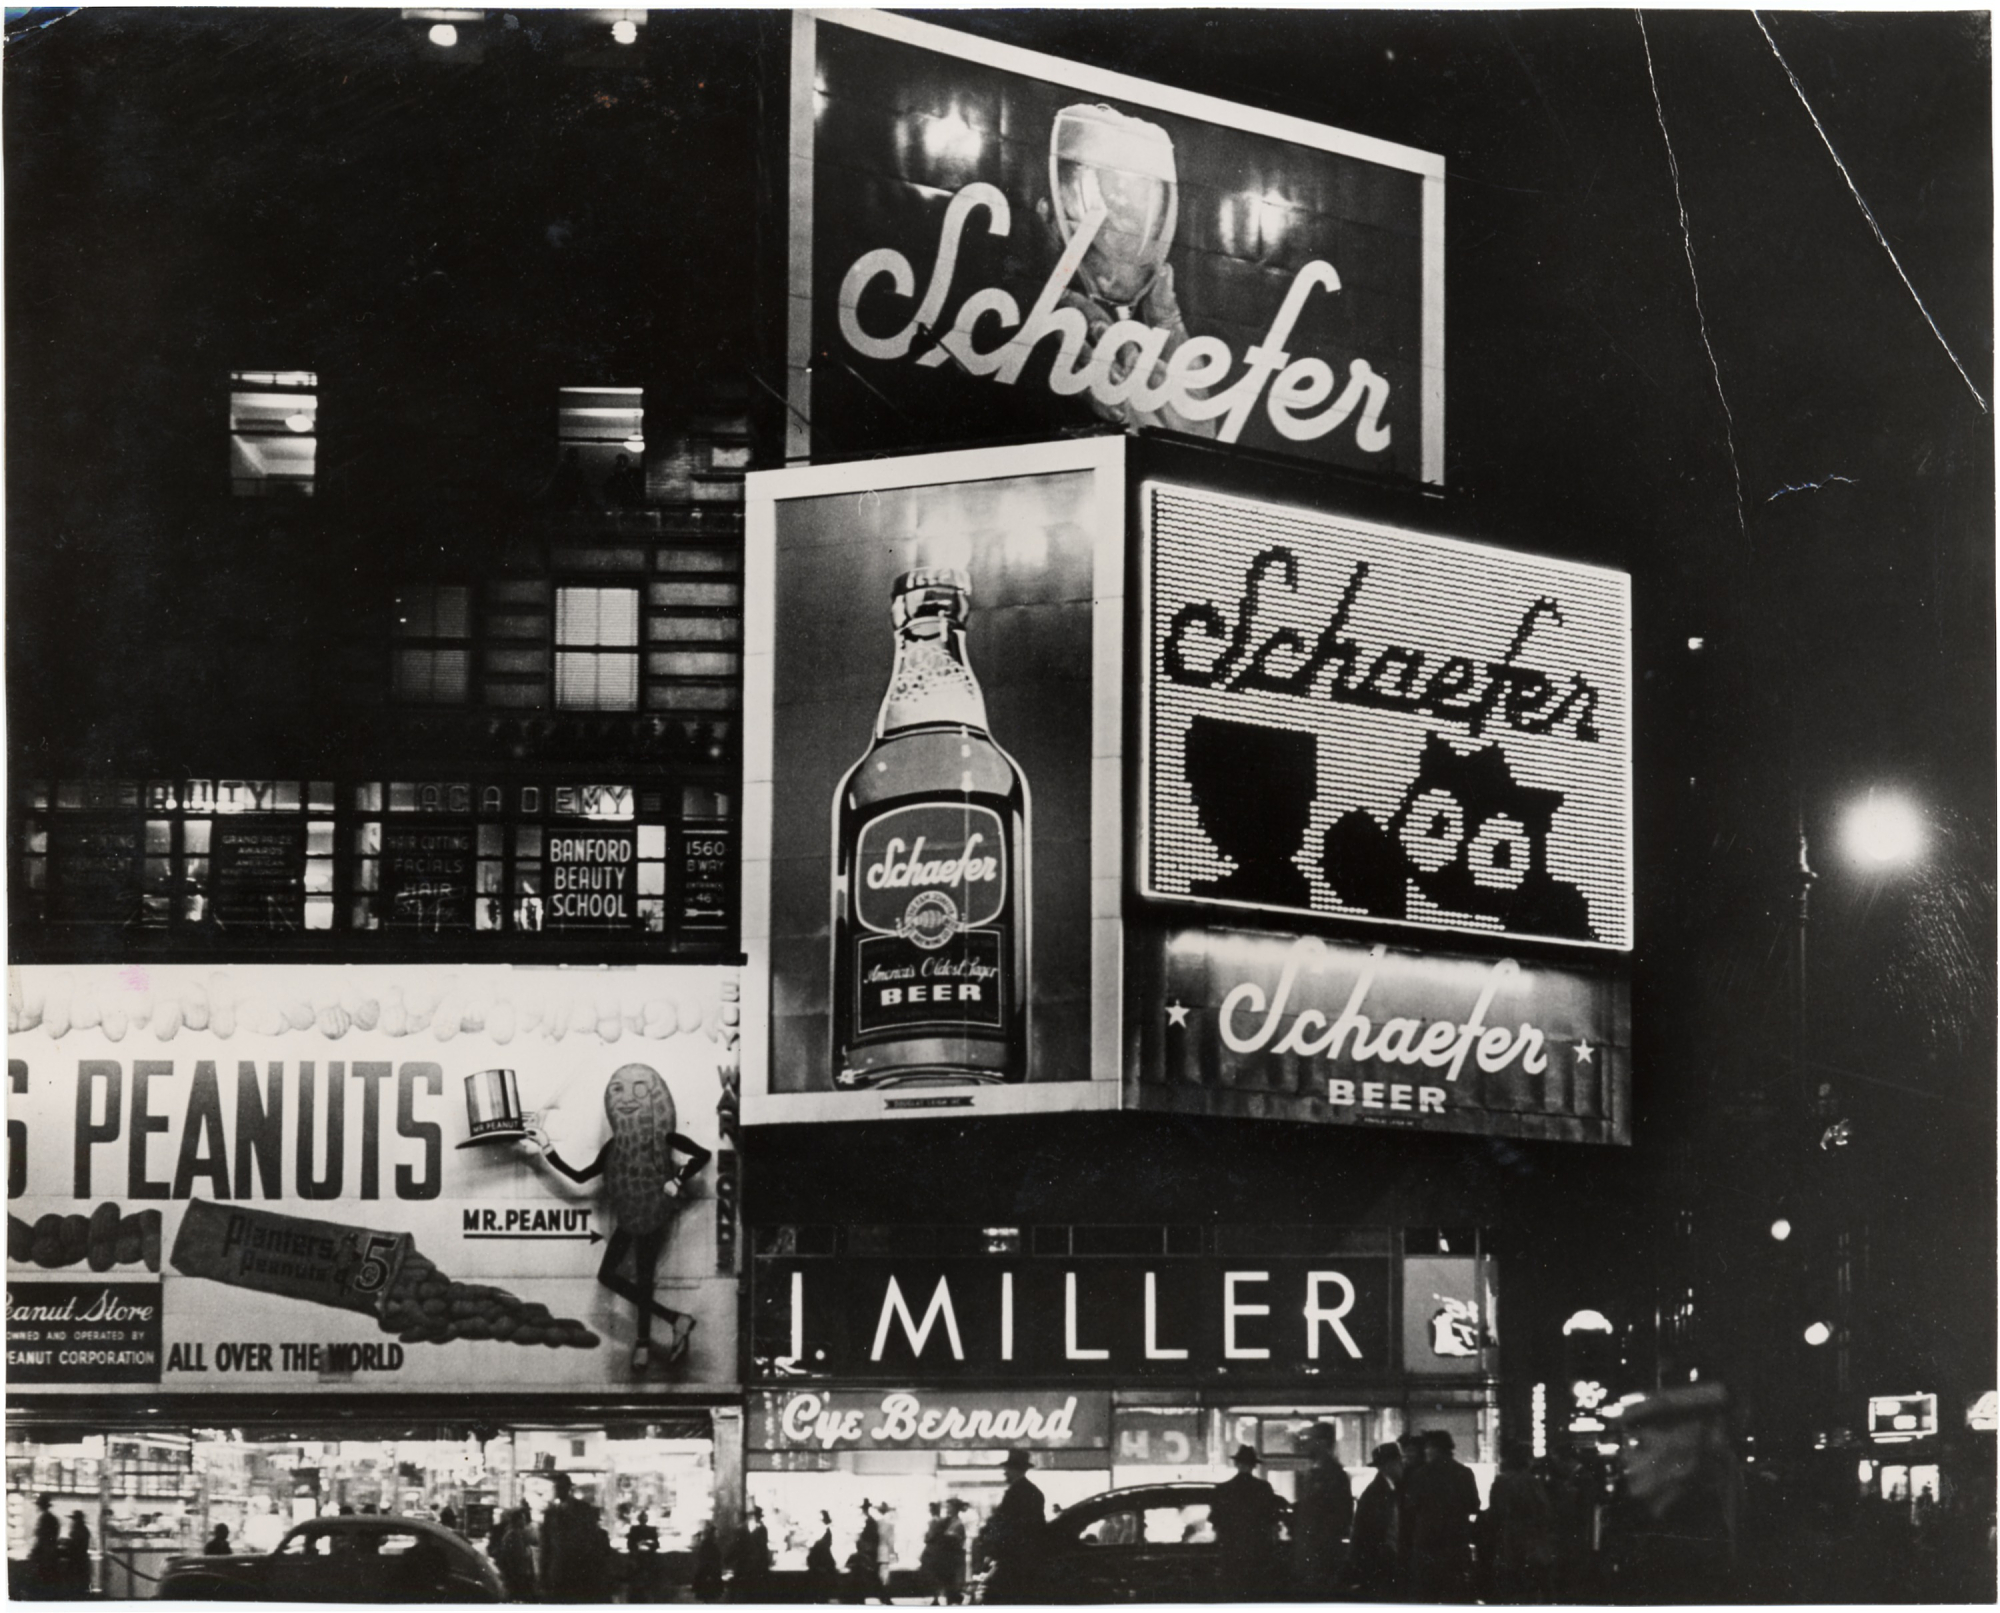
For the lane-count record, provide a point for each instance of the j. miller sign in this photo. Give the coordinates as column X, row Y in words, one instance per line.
column 1051, row 1320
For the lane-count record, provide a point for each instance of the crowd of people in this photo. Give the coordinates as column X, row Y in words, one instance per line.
column 569, row 1556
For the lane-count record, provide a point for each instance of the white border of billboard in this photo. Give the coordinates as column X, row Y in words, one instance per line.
column 764, row 491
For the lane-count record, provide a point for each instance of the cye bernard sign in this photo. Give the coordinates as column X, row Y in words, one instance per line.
column 992, row 243
column 367, row 1179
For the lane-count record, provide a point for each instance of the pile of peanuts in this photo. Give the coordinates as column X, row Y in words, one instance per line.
column 423, row 1306
column 105, row 1238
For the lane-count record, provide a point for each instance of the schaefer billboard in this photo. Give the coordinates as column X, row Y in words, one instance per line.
column 991, row 243
column 355, row 1180
column 1365, row 733
column 1286, row 1027
column 931, row 875
column 1349, row 720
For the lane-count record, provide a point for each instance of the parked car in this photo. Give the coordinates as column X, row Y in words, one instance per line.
column 343, row 1559
column 1149, row 1543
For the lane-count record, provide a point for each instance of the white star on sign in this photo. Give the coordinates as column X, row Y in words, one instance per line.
column 1585, row 1052
column 1177, row 1014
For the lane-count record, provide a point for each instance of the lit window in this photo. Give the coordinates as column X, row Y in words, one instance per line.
column 432, row 628
column 601, row 448
column 273, row 432
column 597, row 649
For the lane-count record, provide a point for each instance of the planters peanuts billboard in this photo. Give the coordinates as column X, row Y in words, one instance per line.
column 370, row 1180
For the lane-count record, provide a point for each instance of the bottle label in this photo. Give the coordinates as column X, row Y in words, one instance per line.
column 901, row 985
column 926, row 874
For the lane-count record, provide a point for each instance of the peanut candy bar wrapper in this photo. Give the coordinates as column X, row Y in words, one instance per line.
column 380, row 1274
column 347, row 1267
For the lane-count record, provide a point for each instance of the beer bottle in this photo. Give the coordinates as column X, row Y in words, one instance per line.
column 930, row 870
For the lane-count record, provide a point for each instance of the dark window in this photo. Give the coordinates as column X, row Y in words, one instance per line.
column 433, row 651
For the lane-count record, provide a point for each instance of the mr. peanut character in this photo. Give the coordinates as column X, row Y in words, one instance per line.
column 646, row 1187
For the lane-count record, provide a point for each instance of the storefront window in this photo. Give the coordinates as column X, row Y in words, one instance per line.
column 272, row 856
column 150, row 1496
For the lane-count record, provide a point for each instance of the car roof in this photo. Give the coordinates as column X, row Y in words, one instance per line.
column 1179, row 1493
column 1139, row 1497
column 374, row 1523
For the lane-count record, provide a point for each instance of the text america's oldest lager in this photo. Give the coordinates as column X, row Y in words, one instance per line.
column 930, row 870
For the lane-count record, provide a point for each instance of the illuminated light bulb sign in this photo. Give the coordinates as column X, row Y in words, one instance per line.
column 1349, row 720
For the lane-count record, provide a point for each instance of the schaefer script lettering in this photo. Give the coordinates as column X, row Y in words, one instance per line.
column 1249, row 1023
column 1205, row 649
column 1128, row 364
column 898, row 872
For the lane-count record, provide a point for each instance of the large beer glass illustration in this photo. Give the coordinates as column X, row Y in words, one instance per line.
column 1119, row 171
column 1100, row 160
column 930, row 860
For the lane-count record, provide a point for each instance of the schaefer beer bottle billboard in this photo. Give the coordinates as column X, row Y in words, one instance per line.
column 930, row 859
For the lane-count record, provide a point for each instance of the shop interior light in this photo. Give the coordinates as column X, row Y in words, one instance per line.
column 1696, row 642
column 1818, row 1334
column 625, row 31
column 1781, row 1229
column 443, row 35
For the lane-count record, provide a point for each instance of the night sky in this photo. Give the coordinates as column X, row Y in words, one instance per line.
column 1809, row 490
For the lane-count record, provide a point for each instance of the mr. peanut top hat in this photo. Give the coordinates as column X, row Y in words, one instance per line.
column 492, row 1108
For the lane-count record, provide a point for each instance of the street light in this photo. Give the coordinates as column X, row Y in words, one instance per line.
column 1883, row 831
column 1781, row 1229
column 1880, row 832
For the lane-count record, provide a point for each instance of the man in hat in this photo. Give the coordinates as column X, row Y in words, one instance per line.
column 1440, row 1502
column 1375, row 1555
column 1012, row 1538
column 1320, row 1517
column 1244, row 1515
column 1674, row 1539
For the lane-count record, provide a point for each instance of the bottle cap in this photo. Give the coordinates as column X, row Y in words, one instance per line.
column 932, row 577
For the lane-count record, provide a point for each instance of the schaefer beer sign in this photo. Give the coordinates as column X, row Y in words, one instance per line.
column 987, row 242
column 367, row 1179
column 1282, row 1027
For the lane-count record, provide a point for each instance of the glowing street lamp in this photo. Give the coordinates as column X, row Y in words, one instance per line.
column 1781, row 1229
column 1883, row 831
column 1817, row 1334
